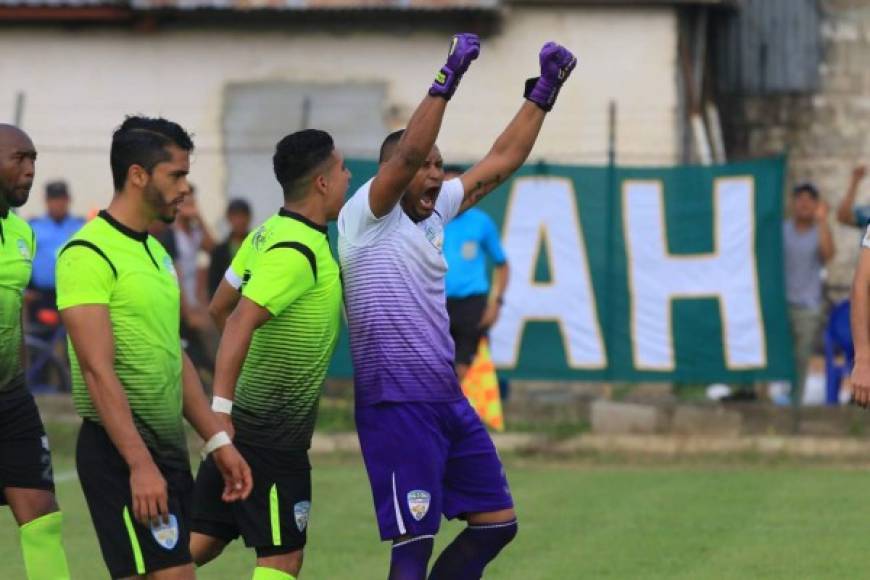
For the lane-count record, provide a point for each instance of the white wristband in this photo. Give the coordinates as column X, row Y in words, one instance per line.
column 221, row 405
column 218, row 440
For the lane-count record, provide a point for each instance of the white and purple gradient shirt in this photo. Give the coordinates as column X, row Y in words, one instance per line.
column 393, row 272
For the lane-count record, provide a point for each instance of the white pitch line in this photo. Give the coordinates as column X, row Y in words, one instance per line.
column 65, row 476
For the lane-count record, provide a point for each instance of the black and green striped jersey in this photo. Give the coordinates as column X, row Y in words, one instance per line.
column 130, row 272
column 17, row 248
column 286, row 267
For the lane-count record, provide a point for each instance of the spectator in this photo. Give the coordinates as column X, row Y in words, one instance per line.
column 473, row 308
column 191, row 236
column 848, row 213
column 51, row 231
column 184, row 240
column 808, row 246
column 239, row 219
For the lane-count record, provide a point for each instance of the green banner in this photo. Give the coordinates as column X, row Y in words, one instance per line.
column 630, row 274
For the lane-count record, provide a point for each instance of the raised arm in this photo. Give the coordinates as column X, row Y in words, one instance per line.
column 90, row 330
column 826, row 240
column 396, row 172
column 514, row 145
column 846, row 209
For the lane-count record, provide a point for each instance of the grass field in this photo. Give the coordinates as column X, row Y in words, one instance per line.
column 588, row 518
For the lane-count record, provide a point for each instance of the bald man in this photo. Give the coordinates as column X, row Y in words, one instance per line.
column 26, row 481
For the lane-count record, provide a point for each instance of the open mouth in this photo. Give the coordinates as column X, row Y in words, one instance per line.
column 429, row 197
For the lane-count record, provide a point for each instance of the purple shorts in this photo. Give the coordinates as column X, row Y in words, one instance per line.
column 429, row 459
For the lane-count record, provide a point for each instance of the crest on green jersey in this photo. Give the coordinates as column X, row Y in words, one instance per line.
column 259, row 239
column 23, row 249
column 170, row 267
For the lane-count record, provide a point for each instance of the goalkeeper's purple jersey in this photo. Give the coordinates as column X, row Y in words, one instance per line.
column 393, row 273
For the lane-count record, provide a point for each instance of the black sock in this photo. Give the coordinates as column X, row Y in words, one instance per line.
column 410, row 558
column 472, row 550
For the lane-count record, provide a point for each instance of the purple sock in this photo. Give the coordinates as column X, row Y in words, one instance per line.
column 472, row 550
column 410, row 558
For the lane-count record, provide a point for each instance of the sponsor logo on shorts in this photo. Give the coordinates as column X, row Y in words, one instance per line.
column 166, row 534
column 418, row 503
column 47, row 473
column 300, row 513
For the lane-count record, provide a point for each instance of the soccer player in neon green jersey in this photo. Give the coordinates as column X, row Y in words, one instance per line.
column 26, row 482
column 284, row 291
column 118, row 295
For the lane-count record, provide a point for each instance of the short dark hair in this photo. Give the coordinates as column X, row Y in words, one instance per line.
column 144, row 141
column 56, row 190
column 296, row 155
column 806, row 187
column 389, row 145
column 239, row 205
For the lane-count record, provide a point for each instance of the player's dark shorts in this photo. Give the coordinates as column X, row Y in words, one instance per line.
column 429, row 459
column 465, row 316
column 128, row 547
column 25, row 460
column 274, row 518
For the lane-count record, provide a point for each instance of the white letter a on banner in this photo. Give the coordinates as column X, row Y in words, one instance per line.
column 542, row 212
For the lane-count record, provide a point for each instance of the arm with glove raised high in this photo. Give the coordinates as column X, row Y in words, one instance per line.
column 514, row 145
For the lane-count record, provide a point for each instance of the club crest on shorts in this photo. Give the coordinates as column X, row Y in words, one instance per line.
column 300, row 513
column 166, row 534
column 418, row 503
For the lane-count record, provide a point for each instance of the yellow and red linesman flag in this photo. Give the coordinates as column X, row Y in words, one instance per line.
column 481, row 388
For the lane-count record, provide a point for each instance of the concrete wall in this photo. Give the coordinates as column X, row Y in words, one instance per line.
column 824, row 134
column 80, row 84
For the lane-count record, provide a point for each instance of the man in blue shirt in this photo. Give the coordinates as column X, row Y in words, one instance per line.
column 52, row 231
column 469, row 240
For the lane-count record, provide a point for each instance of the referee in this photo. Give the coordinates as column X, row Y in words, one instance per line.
column 284, row 291
column 118, row 295
column 26, row 482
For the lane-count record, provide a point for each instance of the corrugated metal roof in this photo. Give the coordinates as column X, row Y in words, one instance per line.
column 62, row 3
column 769, row 47
column 252, row 5
column 413, row 5
column 624, row 3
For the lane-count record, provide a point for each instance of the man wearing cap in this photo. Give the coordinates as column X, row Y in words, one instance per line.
column 808, row 246
column 52, row 231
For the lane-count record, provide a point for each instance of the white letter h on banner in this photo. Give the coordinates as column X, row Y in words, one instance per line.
column 656, row 277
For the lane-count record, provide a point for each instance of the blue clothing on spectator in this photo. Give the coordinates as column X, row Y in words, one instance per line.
column 468, row 239
column 862, row 216
column 50, row 238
